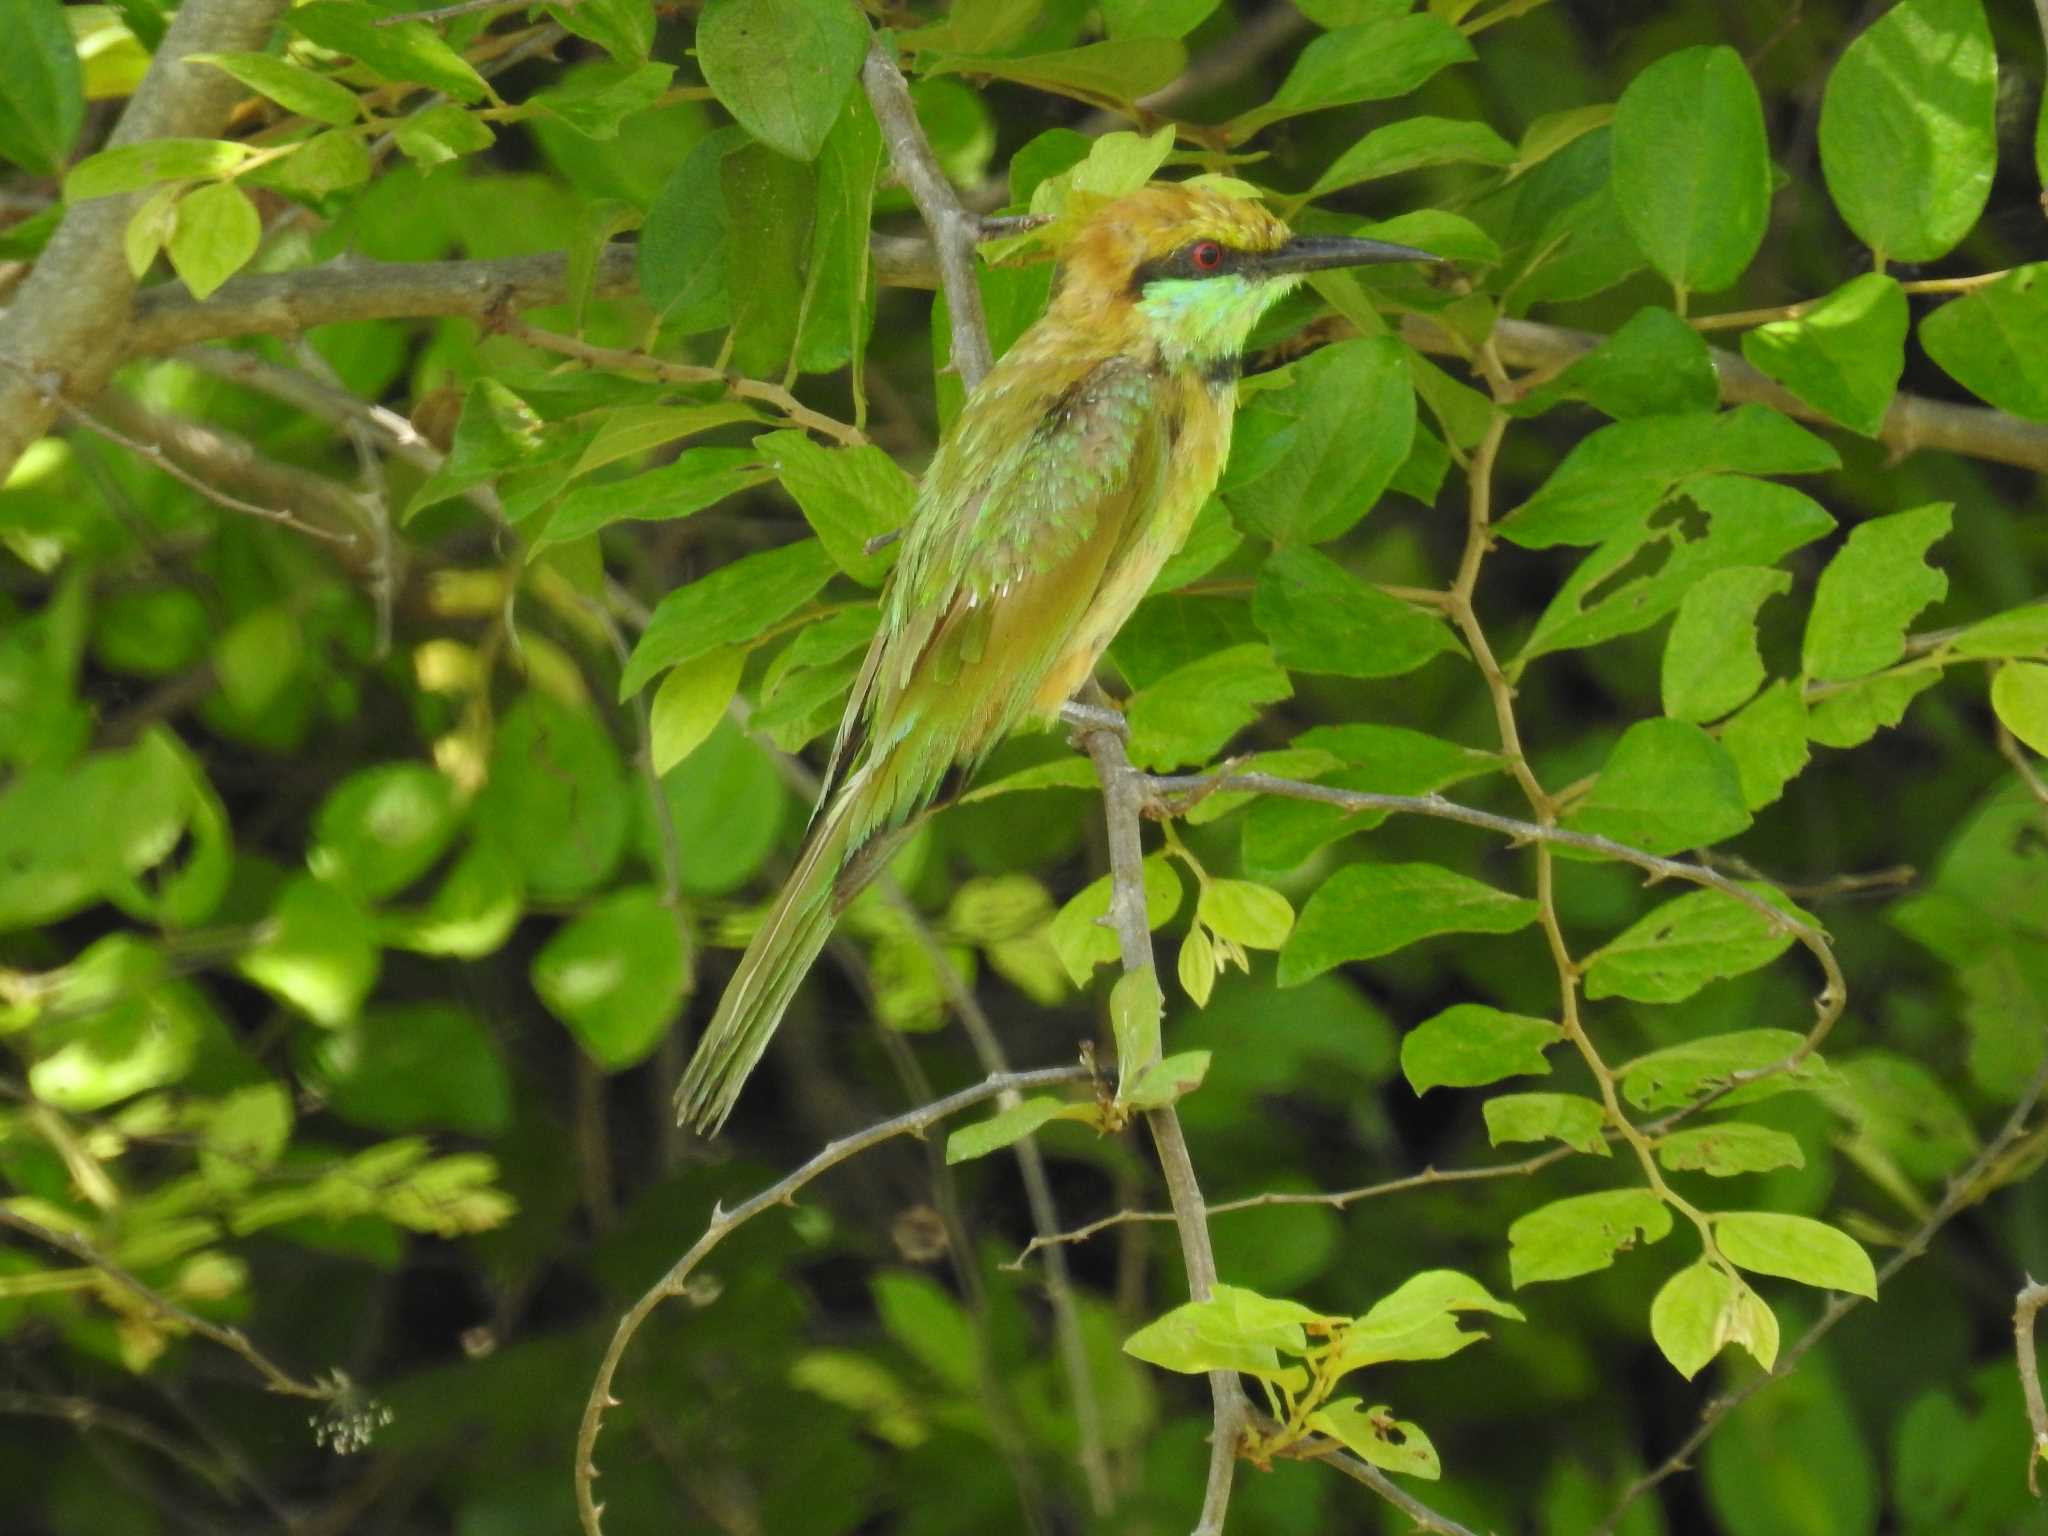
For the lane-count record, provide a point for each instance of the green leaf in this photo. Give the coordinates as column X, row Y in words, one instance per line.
column 1844, row 355
column 632, row 430
column 1155, row 18
column 419, row 1067
column 623, row 28
column 218, row 231
column 1256, row 916
column 1582, row 1233
column 1729, row 1148
column 1767, row 740
column 1111, row 74
column 601, row 96
column 496, row 432
column 1991, row 341
column 770, row 213
column 381, row 828
column 782, row 68
column 2019, row 696
column 1167, row 1081
column 684, row 243
column 144, row 1040
column 616, row 975
column 1197, row 965
column 1795, row 1248
column 1700, row 937
column 1308, row 461
column 690, row 702
column 727, row 806
column 471, row 914
column 1749, row 522
column 1470, row 1045
column 1689, row 1318
column 325, row 163
column 1234, row 1330
column 732, row 605
column 694, row 479
column 442, row 134
column 1903, row 1111
column 848, row 496
column 1667, row 786
column 1374, row 1435
column 1136, row 1006
column 318, row 952
column 1321, row 618
column 1366, row 910
column 1620, row 474
column 1909, row 128
column 1872, row 589
column 131, row 167
column 1190, row 714
column 1375, row 60
column 42, row 88
column 1410, row 145
column 839, row 301
column 1678, row 1074
column 1655, row 365
column 291, row 86
column 404, row 51
column 1852, row 715
column 2020, row 632
column 1692, row 170
column 1566, row 1117
column 1078, row 932
column 1711, row 661
column 556, row 797
column 1006, row 1127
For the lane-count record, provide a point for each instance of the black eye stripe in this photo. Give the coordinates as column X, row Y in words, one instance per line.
column 1182, row 264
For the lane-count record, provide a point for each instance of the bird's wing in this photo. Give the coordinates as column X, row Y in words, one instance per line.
column 1019, row 512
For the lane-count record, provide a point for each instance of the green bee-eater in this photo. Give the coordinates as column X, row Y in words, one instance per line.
column 1070, row 477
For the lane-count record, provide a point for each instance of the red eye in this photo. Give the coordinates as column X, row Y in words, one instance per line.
column 1207, row 255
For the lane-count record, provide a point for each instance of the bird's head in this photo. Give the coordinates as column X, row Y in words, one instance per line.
column 1195, row 267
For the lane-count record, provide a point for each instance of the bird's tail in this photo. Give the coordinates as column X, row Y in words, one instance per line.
column 773, row 966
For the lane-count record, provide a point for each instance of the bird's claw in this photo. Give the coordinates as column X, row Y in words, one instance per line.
column 1085, row 720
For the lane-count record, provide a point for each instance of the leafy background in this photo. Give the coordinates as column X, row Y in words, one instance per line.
column 370, row 845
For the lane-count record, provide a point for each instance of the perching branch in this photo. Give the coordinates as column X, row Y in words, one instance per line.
column 1123, row 806
column 62, row 335
column 723, row 1223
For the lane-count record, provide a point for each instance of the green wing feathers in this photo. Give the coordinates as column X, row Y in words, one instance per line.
column 1007, row 553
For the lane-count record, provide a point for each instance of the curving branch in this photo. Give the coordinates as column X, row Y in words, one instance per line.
column 2032, row 1297
column 723, row 1223
column 62, row 334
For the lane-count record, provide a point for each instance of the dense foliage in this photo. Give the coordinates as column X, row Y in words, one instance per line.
column 409, row 664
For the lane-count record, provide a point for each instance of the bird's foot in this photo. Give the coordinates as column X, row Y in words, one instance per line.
column 1085, row 720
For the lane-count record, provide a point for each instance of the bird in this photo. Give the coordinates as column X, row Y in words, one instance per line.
column 1070, row 476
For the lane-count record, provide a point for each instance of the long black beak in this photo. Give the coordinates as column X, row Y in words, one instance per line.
column 1313, row 253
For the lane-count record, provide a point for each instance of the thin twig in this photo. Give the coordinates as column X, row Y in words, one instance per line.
column 154, row 454
column 953, row 229
column 86, row 1415
column 275, row 1377
column 1123, row 807
column 1336, row 1200
column 446, row 12
column 2011, row 750
column 1334, row 1456
column 722, row 1225
column 2032, row 1297
column 1165, row 789
column 620, row 360
column 1962, row 1192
